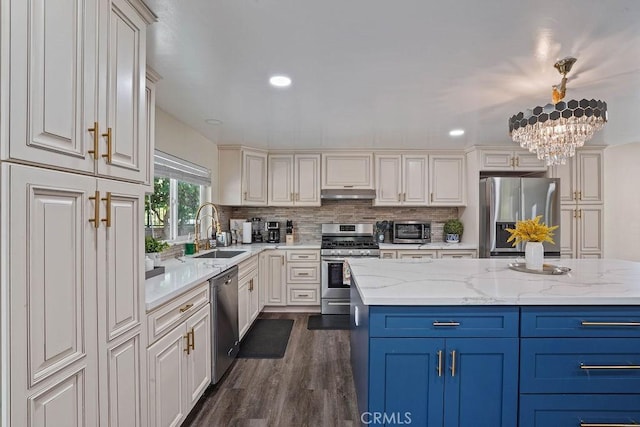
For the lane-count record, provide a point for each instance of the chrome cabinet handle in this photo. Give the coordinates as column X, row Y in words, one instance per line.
column 436, row 323
column 583, row 424
column 587, row 323
column 453, row 363
column 439, row 363
column 583, row 366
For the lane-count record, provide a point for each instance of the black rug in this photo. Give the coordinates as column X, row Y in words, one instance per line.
column 267, row 339
column 328, row 321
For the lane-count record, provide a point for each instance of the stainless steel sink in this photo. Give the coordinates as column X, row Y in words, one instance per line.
column 221, row 254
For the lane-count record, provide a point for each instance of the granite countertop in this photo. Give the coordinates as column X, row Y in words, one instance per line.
column 430, row 246
column 491, row 282
column 185, row 273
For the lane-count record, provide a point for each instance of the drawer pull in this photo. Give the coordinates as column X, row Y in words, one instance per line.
column 582, row 424
column 436, row 323
column 585, row 323
column 187, row 344
column 303, row 274
column 453, row 363
column 439, row 363
column 583, row 366
column 185, row 308
column 303, row 256
column 303, row 295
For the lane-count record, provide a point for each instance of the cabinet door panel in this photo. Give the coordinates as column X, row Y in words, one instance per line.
column 254, row 182
column 590, row 229
column 254, row 297
column 243, row 307
column 529, row 162
column 64, row 404
column 388, row 180
column 125, row 87
column 343, row 170
column 276, row 279
column 497, row 160
column 281, row 180
column 166, row 359
column 123, row 385
column 567, row 229
column 199, row 360
column 590, row 176
column 487, row 368
column 53, row 82
column 567, row 175
column 307, row 180
column 119, row 273
column 415, row 180
column 447, row 180
column 403, row 378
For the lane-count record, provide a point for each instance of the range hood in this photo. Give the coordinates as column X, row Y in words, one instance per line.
column 348, row 194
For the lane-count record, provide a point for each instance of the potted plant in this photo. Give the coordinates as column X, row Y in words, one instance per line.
column 533, row 232
column 453, row 229
column 153, row 247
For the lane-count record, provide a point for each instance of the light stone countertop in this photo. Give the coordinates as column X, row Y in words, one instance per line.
column 491, row 282
column 429, row 246
column 182, row 275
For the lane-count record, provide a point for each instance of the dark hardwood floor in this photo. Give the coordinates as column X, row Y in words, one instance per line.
column 312, row 385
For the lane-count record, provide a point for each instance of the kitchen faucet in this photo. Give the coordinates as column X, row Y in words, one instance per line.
column 215, row 220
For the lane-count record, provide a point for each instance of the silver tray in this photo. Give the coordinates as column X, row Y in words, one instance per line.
column 546, row 269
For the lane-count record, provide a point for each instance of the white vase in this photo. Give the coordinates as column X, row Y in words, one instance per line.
column 534, row 255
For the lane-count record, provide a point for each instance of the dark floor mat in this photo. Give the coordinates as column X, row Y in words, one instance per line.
column 267, row 339
column 328, row 321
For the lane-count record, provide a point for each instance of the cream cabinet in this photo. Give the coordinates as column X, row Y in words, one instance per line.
column 275, row 278
column 388, row 254
column 242, row 176
column 427, row 253
column 581, row 179
column 416, row 254
column 401, row 179
column 294, row 180
column 347, row 170
column 457, row 254
column 510, row 160
column 179, row 369
column 81, row 98
column 248, row 293
column 581, row 231
column 303, row 277
column 152, row 79
column 447, row 180
column 76, row 302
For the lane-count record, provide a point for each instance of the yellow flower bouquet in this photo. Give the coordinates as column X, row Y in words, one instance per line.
column 531, row 230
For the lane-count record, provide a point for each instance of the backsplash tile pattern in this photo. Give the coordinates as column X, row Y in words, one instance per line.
column 307, row 220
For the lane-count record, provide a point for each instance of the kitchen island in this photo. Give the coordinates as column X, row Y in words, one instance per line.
column 473, row 343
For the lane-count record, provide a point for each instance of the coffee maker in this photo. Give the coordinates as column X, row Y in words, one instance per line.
column 273, row 232
column 256, row 230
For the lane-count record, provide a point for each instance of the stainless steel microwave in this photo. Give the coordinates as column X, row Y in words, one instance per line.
column 411, row 232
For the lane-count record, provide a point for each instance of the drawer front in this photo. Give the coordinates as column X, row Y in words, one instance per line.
column 308, row 256
column 388, row 254
column 303, row 295
column 301, row 272
column 580, row 365
column 443, row 321
column 167, row 316
column 247, row 266
column 457, row 254
column 419, row 254
column 605, row 322
column 586, row 410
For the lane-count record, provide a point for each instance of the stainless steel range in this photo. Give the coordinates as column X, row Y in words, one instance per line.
column 339, row 242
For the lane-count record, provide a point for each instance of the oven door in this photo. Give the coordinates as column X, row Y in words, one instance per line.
column 335, row 277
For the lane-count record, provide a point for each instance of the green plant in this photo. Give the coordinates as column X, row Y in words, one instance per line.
column 152, row 244
column 453, row 226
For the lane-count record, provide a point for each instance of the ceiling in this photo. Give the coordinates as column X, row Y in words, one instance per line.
column 389, row 73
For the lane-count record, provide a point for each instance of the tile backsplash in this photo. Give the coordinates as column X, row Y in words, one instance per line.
column 307, row 220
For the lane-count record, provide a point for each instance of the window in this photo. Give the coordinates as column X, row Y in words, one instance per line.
column 179, row 187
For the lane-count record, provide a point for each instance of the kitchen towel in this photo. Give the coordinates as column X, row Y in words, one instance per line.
column 246, row 232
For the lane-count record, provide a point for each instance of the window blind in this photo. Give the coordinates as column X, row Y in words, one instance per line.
column 168, row 166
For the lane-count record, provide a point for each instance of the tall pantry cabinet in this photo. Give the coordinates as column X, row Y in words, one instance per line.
column 73, row 170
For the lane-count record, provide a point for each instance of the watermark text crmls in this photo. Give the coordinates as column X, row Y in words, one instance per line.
column 394, row 418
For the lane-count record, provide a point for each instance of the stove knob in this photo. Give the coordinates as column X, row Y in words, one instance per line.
column 350, row 252
column 367, row 252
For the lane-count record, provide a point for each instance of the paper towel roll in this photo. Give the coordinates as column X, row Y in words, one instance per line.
column 246, row 232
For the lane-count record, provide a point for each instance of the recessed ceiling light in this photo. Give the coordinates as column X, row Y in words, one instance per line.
column 213, row 122
column 280, row 81
column 456, row 132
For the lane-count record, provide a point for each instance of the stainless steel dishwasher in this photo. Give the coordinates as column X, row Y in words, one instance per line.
column 224, row 315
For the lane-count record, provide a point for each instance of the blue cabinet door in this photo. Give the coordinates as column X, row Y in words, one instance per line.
column 405, row 382
column 481, row 382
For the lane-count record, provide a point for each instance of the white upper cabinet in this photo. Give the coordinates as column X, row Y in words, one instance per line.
column 401, row 180
column 84, row 112
column 447, row 178
column 294, row 180
column 347, row 170
column 242, row 176
column 581, row 179
column 510, row 160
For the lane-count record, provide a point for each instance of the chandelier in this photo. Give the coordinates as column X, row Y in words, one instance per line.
column 554, row 131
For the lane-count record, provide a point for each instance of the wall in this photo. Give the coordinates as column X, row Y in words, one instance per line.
column 178, row 139
column 622, row 202
column 307, row 220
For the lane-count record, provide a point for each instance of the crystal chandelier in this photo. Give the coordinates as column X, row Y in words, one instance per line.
column 554, row 131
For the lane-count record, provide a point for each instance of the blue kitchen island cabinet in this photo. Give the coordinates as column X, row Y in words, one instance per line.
column 435, row 366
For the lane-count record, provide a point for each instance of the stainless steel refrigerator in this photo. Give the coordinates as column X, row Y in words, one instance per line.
column 503, row 201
